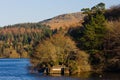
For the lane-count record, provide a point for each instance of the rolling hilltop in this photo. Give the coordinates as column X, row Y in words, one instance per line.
column 64, row 21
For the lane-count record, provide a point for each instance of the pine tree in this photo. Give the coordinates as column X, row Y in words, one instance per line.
column 93, row 32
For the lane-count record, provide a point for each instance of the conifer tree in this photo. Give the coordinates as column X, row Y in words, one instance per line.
column 93, row 32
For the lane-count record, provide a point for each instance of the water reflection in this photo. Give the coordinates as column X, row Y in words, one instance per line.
column 82, row 76
column 98, row 76
column 16, row 69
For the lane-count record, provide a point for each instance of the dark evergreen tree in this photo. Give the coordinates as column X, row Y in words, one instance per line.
column 93, row 33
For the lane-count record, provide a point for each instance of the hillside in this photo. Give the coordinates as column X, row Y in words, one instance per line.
column 21, row 38
column 64, row 21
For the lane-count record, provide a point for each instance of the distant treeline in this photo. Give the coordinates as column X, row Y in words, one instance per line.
column 20, row 39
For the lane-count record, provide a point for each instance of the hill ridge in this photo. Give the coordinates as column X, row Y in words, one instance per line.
column 64, row 20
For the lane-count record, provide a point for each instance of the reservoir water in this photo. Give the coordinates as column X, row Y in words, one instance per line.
column 17, row 69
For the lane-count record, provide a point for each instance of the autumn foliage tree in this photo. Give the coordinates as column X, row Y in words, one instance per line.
column 58, row 50
column 112, row 46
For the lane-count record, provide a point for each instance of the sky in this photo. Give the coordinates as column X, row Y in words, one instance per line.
column 23, row 11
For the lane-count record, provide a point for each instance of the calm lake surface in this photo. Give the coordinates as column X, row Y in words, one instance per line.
column 17, row 69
